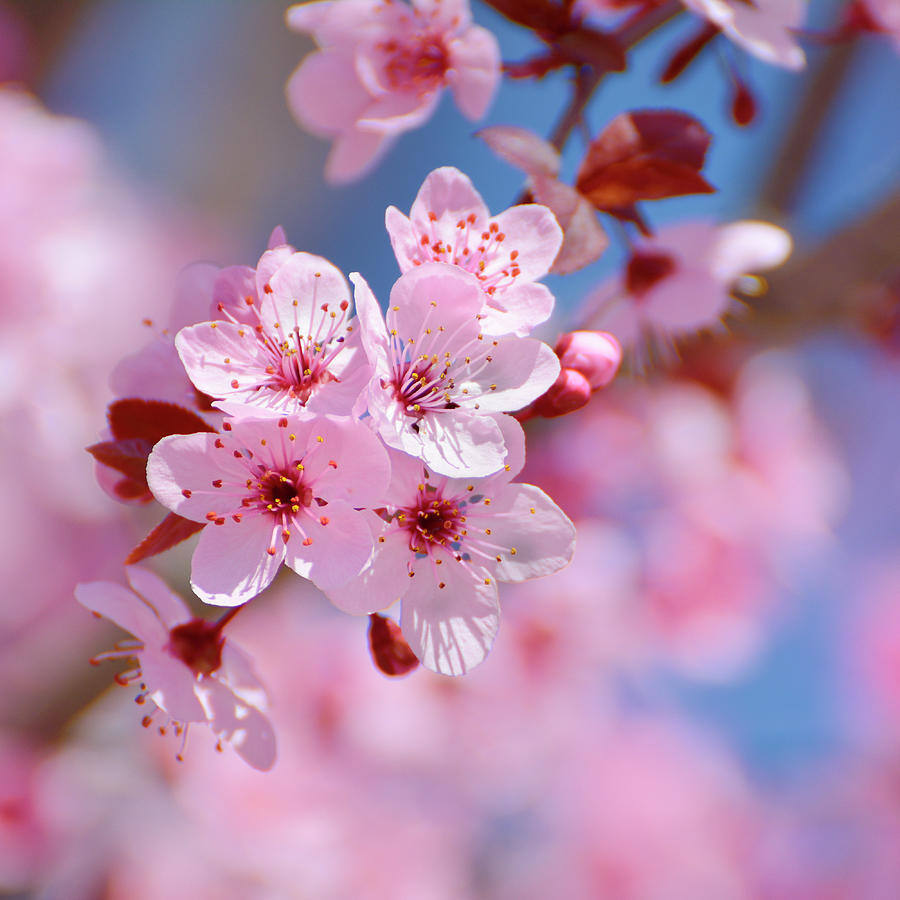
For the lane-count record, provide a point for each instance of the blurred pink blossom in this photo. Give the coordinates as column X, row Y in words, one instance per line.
column 681, row 280
column 185, row 665
column 380, row 70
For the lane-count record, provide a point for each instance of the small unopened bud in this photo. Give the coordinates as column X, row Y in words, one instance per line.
column 594, row 354
column 569, row 392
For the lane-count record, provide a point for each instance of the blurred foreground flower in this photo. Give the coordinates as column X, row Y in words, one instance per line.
column 380, row 70
column 185, row 665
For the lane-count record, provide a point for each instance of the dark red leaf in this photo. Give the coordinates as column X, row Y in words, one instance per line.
column 647, row 155
column 391, row 653
column 171, row 531
column 130, row 490
column 152, row 420
column 128, row 457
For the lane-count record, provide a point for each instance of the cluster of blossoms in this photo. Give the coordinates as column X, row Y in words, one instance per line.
column 374, row 454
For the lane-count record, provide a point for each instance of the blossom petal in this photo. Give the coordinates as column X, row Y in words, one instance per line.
column 340, row 545
column 171, row 685
column 385, row 578
column 121, row 606
column 169, row 607
column 232, row 563
column 397, row 112
column 404, row 238
column 744, row 247
column 474, row 74
column 447, row 192
column 526, row 305
column 354, row 154
column 523, row 149
column 460, row 444
column 312, row 282
column 371, row 322
column 524, row 518
column 324, row 93
column 533, row 230
column 194, row 290
column 240, row 724
column 450, row 628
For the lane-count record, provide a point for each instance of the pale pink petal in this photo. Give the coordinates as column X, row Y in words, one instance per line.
column 404, row 238
column 240, row 724
column 434, row 295
column 119, row 605
column 309, row 281
column 448, row 192
column 324, row 93
column 684, row 301
column 171, row 685
column 269, row 263
column 238, row 674
column 460, row 444
column 450, row 15
column 594, row 354
column 232, row 563
column 341, row 544
column 474, row 74
column 526, row 305
column 180, row 472
column 534, row 232
column 450, row 628
column 397, row 112
column 224, row 360
column 371, row 323
column 354, row 154
column 522, row 517
column 277, row 238
column 745, row 247
column 520, row 370
column 523, row 149
column 357, row 470
column 343, row 22
column 234, row 286
column 385, row 578
column 170, row 608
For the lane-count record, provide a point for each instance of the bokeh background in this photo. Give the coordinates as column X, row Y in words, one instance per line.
column 705, row 705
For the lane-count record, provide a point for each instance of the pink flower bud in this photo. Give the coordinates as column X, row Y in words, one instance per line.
column 593, row 354
column 569, row 392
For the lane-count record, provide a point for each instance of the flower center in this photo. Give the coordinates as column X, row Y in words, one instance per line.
column 418, row 65
column 198, row 644
column 281, row 492
column 645, row 269
column 433, row 522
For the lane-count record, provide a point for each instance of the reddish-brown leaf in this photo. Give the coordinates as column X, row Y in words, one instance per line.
column 152, row 420
column 646, row 155
column 128, row 457
column 171, row 531
column 391, row 653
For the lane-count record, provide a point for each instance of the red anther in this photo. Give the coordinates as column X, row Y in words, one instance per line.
column 271, row 551
column 237, row 516
column 268, row 288
column 595, row 354
column 307, row 542
column 390, row 651
column 332, row 463
column 216, row 484
column 226, row 426
column 212, row 516
column 282, row 423
column 186, row 493
column 344, row 305
column 218, row 444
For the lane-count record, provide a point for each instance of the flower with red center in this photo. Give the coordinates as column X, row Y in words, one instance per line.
column 449, row 223
column 438, row 376
column 380, row 70
column 443, row 546
column 292, row 345
column 185, row 666
column 764, row 28
column 681, row 281
column 272, row 490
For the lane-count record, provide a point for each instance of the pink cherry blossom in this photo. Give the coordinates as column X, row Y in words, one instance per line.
column 437, row 375
column 185, row 666
column 764, row 28
column 292, row 345
column 593, row 354
column 447, row 544
column 273, row 491
column 449, row 223
column 681, row 280
column 380, row 69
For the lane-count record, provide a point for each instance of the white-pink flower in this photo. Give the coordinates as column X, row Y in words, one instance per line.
column 437, row 375
column 765, row 28
column 380, row 69
column 450, row 223
column 272, row 490
column 447, row 543
column 290, row 343
column 681, row 280
column 185, row 665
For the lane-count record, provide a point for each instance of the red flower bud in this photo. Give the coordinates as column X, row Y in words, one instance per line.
column 569, row 392
column 594, row 354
